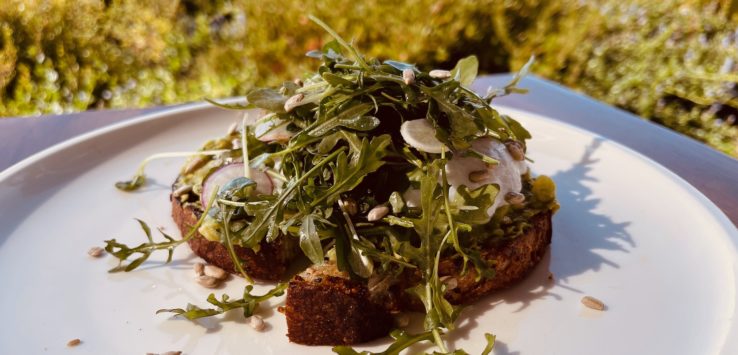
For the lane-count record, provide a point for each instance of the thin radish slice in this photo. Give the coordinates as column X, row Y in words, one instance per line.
column 273, row 131
column 421, row 135
column 227, row 173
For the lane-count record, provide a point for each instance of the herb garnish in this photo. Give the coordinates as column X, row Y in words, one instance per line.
column 248, row 304
column 123, row 252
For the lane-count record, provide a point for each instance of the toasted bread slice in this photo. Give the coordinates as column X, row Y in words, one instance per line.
column 325, row 307
column 331, row 310
column 270, row 263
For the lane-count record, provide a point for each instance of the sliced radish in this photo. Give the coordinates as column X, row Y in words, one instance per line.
column 273, row 131
column 227, row 173
column 421, row 135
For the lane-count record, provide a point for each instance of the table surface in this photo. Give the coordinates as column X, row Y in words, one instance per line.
column 713, row 173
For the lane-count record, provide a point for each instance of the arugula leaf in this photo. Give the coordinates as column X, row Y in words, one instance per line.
column 490, row 343
column 248, row 303
column 349, row 171
column 123, row 252
column 228, row 242
column 268, row 99
column 352, row 118
column 482, row 198
column 357, row 56
column 336, row 80
column 465, row 70
column 398, row 221
column 310, row 240
column 512, row 86
column 462, row 123
column 402, row 341
column 265, row 220
column 516, row 128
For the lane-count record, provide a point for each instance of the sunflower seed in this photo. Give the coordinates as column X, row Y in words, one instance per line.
column 440, row 74
column 377, row 213
column 514, row 198
column 408, row 76
column 181, row 190
column 96, row 252
column 593, row 303
column 516, row 150
column 256, row 322
column 479, row 175
column 216, row 272
column 450, row 282
column 199, row 269
column 208, row 281
column 293, row 102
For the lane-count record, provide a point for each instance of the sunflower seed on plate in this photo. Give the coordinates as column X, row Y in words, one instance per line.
column 256, row 322
column 96, row 252
column 208, row 281
column 216, row 272
column 199, row 269
column 593, row 303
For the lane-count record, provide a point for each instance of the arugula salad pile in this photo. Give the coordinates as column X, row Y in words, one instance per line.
column 336, row 152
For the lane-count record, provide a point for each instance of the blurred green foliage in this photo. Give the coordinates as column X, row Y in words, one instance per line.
column 670, row 61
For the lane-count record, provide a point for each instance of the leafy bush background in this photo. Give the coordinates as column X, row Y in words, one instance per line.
column 673, row 62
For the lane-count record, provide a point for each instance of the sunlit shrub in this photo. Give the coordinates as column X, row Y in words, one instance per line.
column 670, row 61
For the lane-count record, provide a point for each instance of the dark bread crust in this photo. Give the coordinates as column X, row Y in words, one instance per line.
column 335, row 311
column 512, row 259
column 270, row 263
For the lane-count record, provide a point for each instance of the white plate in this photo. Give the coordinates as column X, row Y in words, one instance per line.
column 657, row 252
